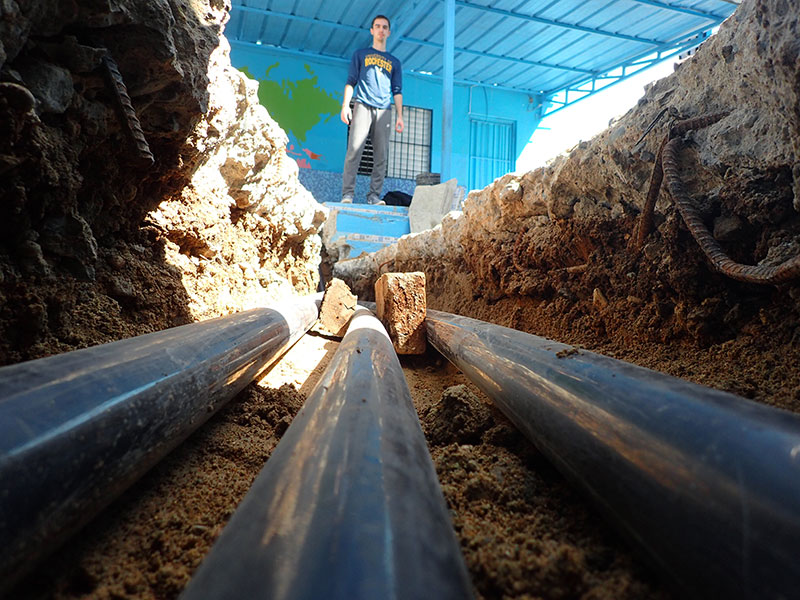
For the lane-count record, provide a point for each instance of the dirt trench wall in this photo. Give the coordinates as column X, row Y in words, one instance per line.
column 557, row 241
column 97, row 243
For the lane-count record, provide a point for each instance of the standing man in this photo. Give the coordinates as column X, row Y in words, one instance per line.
column 375, row 76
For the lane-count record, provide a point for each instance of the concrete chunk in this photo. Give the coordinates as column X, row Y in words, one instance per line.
column 338, row 305
column 430, row 204
column 401, row 304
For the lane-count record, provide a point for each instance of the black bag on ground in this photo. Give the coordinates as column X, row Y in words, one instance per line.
column 397, row 199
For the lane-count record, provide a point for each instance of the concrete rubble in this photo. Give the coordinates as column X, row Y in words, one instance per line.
column 336, row 309
column 400, row 306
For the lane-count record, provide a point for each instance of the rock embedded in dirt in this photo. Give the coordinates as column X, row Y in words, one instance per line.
column 599, row 299
column 337, row 307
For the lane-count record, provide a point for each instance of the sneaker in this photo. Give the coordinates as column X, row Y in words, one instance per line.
column 380, row 203
column 347, row 200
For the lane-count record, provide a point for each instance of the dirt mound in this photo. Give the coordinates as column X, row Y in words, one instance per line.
column 458, row 417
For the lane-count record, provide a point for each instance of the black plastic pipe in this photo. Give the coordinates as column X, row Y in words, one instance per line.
column 348, row 506
column 77, row 429
column 706, row 483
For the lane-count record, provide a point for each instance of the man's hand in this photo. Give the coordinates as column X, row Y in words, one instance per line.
column 347, row 114
column 398, row 127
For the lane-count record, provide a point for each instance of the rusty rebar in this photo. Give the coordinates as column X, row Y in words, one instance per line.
column 124, row 107
column 657, row 176
column 383, row 264
column 680, row 127
column 761, row 274
column 646, row 218
column 652, row 124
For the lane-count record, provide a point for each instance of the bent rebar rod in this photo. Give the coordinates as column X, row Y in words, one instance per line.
column 348, row 506
column 77, row 429
column 705, row 482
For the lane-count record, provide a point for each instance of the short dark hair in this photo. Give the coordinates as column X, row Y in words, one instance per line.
column 376, row 17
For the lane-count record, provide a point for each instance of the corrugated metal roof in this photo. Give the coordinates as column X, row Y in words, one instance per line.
column 545, row 48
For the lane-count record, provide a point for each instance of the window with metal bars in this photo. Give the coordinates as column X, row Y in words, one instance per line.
column 410, row 151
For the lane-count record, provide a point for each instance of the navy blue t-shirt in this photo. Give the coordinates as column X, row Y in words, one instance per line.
column 376, row 76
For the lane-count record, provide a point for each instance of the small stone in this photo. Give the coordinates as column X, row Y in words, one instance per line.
column 647, row 156
column 32, row 259
column 651, row 251
column 567, row 294
column 116, row 261
column 728, row 53
column 34, row 319
column 599, row 299
column 205, row 252
column 50, row 84
column 727, row 228
column 18, row 97
column 122, row 288
column 70, row 236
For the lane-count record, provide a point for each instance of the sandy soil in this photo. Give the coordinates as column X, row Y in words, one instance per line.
column 524, row 532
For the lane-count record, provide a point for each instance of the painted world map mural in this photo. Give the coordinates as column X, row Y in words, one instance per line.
column 298, row 106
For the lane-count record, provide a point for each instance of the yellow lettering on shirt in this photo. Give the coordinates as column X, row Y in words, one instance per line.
column 378, row 61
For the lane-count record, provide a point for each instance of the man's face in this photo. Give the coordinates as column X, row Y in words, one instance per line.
column 380, row 29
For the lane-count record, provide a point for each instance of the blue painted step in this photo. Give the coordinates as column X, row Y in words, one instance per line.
column 368, row 227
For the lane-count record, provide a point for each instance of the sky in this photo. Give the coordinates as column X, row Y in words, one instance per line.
column 586, row 118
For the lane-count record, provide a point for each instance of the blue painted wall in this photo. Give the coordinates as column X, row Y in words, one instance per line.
column 324, row 145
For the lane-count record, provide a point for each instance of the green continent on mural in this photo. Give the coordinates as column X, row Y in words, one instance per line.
column 297, row 106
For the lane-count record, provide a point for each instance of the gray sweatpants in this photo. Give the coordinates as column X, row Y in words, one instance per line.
column 376, row 122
